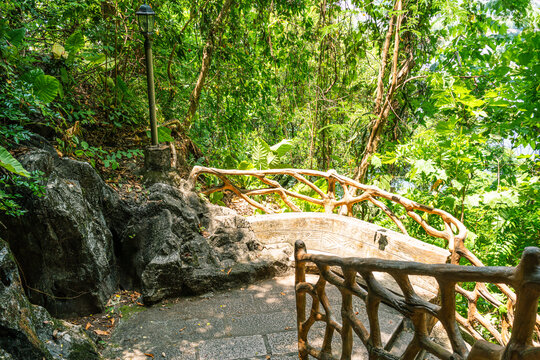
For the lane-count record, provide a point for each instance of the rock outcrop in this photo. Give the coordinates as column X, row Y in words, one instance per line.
column 63, row 243
column 28, row 331
column 175, row 244
column 81, row 241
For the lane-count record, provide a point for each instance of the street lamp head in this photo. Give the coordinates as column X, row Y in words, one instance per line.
column 146, row 18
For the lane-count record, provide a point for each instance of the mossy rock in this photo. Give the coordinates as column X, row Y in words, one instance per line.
column 83, row 351
column 127, row 311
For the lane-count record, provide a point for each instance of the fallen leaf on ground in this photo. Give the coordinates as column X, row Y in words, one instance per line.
column 102, row 333
column 228, row 272
column 112, row 321
column 88, row 326
column 140, row 304
column 282, row 293
column 149, row 355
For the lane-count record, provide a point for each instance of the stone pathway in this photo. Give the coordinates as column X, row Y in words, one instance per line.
column 255, row 322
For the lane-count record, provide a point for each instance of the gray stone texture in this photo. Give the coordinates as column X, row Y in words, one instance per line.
column 28, row 331
column 163, row 247
column 255, row 322
column 347, row 236
column 81, row 241
column 232, row 348
column 63, row 243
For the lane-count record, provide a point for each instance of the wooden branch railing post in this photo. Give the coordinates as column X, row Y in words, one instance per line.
column 528, row 292
column 300, row 277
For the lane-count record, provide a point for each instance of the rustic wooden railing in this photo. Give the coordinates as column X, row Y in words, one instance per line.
column 344, row 272
column 353, row 192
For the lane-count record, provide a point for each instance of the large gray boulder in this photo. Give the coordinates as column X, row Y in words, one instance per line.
column 177, row 244
column 80, row 242
column 63, row 244
column 28, row 331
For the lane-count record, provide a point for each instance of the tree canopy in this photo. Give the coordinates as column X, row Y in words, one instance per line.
column 433, row 99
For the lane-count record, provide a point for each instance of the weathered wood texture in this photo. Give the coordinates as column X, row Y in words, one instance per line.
column 454, row 232
column 344, row 273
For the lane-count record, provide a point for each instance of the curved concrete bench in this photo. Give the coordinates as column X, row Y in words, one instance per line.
column 349, row 237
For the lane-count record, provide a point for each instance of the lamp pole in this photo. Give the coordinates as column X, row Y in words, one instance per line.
column 151, row 93
column 146, row 19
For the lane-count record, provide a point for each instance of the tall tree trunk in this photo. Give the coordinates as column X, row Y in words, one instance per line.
column 192, row 15
column 314, row 126
column 215, row 33
column 382, row 111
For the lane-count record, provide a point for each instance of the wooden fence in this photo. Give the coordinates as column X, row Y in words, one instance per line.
column 344, row 273
column 353, row 192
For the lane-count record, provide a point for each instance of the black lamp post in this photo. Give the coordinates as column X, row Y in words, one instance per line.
column 146, row 20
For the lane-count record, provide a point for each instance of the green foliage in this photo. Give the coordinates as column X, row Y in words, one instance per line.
column 92, row 154
column 164, row 134
column 476, row 179
column 265, row 157
column 46, row 87
column 14, row 188
column 14, row 184
column 303, row 70
column 11, row 164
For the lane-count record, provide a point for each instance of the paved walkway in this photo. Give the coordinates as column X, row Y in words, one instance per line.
column 255, row 322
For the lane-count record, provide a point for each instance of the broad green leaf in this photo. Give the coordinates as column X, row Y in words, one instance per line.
column 261, row 150
column 245, row 165
column 16, row 36
column 376, row 161
column 500, row 102
column 470, row 101
column 59, row 51
column 389, row 158
column 282, row 147
column 445, row 102
column 458, row 89
column 95, row 58
column 272, row 160
column 456, row 184
column 383, row 182
column 164, row 134
column 46, row 88
column 8, row 162
column 425, row 167
column 75, row 43
column 445, row 127
column 217, row 198
column 32, row 75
